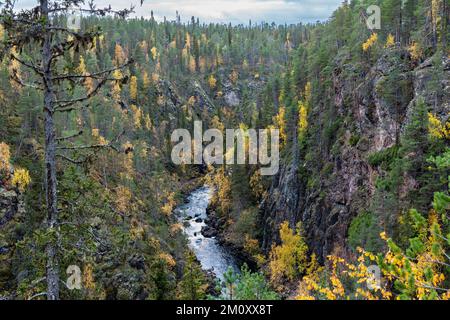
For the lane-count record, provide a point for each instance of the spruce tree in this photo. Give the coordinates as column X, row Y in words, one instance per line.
column 52, row 41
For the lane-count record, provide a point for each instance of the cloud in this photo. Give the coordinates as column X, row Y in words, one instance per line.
column 224, row 11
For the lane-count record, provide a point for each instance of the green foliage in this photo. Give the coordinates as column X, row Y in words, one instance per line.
column 384, row 157
column 230, row 278
column 247, row 285
column 253, row 286
column 364, row 232
column 245, row 225
column 354, row 139
column 274, row 64
column 193, row 283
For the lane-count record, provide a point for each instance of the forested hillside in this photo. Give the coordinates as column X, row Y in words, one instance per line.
column 364, row 120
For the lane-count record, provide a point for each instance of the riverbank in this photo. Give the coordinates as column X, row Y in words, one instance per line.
column 215, row 228
column 212, row 256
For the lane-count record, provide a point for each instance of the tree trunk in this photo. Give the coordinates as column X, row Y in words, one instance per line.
column 445, row 18
column 50, row 164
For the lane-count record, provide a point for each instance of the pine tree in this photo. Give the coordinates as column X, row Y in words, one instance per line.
column 34, row 26
column 193, row 284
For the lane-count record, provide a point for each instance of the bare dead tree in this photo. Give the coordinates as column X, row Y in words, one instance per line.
column 38, row 28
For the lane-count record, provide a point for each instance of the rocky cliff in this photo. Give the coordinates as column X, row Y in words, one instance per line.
column 11, row 212
column 366, row 120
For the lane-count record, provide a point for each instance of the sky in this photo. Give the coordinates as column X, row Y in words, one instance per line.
column 225, row 11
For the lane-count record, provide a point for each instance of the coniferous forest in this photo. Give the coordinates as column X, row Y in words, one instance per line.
column 93, row 207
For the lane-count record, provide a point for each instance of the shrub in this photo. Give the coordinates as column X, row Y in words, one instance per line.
column 4, row 159
column 21, row 179
column 289, row 258
column 384, row 157
column 364, row 231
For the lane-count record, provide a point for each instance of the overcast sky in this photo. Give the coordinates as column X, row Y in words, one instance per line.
column 224, row 11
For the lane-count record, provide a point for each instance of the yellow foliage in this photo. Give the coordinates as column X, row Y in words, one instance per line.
column 303, row 107
column 212, row 82
column 136, row 230
column 5, row 156
column 256, row 185
column 415, row 51
column 148, row 122
column 202, row 64
column 334, row 289
column 123, row 198
column 99, row 138
column 154, row 52
column 192, row 64
column 437, row 129
column 222, row 197
column 169, row 205
column 260, row 259
column 160, row 100
column 89, row 84
column 143, row 45
column 418, row 273
column 137, row 116
column 81, row 69
column 145, row 79
column 116, row 90
column 127, row 171
column 302, row 119
column 88, row 277
column 390, row 42
column 308, row 92
column 281, row 97
column 176, row 228
column 191, row 101
column 370, row 42
column 119, row 55
column 133, row 88
column 188, row 40
column 155, row 77
column 168, row 259
column 435, row 6
column 288, row 259
column 280, row 124
column 251, row 246
column 21, row 179
column 234, row 76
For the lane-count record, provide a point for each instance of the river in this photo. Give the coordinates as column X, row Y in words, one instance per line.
column 209, row 252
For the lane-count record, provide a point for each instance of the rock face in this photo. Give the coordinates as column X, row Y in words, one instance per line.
column 347, row 181
column 11, row 210
column 202, row 98
column 232, row 99
column 9, row 205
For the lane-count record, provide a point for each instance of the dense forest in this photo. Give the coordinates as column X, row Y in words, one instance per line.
column 88, row 188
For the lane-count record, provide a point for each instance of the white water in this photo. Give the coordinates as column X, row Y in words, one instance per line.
column 209, row 252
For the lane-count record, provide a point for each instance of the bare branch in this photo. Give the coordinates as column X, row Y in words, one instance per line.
column 71, row 136
column 77, row 162
column 14, row 76
column 95, row 146
column 31, row 65
column 95, row 75
column 37, row 295
column 66, row 105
